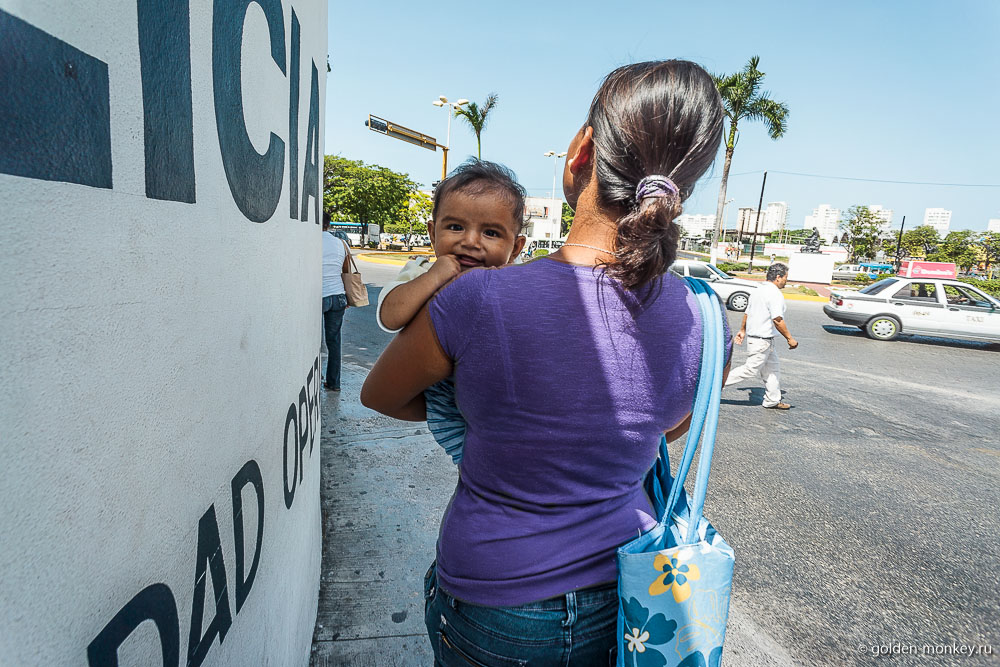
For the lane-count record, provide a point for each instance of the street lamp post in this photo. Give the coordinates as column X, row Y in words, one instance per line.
column 725, row 220
column 442, row 101
column 555, row 163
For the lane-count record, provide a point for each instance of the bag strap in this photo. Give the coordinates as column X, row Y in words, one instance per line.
column 350, row 256
column 704, row 413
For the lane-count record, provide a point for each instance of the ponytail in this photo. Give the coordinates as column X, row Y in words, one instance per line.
column 652, row 118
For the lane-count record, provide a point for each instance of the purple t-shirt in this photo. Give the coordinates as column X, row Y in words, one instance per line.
column 567, row 382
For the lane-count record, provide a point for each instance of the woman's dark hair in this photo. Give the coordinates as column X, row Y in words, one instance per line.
column 656, row 118
column 478, row 176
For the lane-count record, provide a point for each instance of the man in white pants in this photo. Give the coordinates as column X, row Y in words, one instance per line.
column 763, row 320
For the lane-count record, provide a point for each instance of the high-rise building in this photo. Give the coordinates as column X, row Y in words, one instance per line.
column 883, row 214
column 772, row 219
column 938, row 218
column 826, row 220
column 696, row 226
column 993, row 225
column 777, row 216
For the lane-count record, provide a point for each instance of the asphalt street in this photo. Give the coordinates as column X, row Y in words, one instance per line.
column 867, row 516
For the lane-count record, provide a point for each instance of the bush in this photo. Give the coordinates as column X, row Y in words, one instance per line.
column 862, row 278
column 988, row 286
column 732, row 267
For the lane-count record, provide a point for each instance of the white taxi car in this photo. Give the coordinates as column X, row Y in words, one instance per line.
column 929, row 307
column 735, row 292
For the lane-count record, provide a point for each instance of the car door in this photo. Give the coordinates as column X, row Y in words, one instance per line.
column 918, row 306
column 971, row 313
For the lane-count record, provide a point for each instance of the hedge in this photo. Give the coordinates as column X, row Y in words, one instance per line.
column 988, row 286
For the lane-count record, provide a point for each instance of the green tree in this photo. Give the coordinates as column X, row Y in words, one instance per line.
column 567, row 219
column 413, row 217
column 477, row 116
column 864, row 232
column 920, row 242
column 990, row 244
column 368, row 194
column 958, row 247
column 743, row 99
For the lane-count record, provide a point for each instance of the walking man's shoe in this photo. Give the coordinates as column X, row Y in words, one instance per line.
column 779, row 406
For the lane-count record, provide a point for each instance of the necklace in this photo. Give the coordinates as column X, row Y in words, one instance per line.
column 592, row 247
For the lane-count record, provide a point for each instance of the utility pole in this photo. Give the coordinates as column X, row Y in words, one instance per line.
column 753, row 240
column 899, row 243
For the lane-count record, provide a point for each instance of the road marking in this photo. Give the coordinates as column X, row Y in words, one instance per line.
column 951, row 393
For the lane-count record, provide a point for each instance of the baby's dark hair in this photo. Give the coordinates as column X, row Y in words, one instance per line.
column 478, row 176
column 661, row 118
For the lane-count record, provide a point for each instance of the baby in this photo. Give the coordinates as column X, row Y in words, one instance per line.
column 477, row 220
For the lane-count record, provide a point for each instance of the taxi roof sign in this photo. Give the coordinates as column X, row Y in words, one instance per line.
column 917, row 269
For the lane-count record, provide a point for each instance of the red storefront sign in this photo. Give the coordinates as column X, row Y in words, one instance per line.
column 914, row 269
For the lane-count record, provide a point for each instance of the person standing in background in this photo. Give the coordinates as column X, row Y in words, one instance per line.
column 765, row 319
column 335, row 263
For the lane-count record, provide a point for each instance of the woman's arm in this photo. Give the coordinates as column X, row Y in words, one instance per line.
column 413, row 361
column 685, row 423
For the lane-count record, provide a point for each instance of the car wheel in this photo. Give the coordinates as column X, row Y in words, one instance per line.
column 738, row 301
column 882, row 327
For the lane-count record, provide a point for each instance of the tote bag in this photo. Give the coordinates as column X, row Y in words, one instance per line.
column 675, row 580
column 354, row 286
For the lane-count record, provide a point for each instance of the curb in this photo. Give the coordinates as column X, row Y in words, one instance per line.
column 806, row 297
column 375, row 259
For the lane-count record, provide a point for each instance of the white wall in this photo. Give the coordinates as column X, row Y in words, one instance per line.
column 154, row 337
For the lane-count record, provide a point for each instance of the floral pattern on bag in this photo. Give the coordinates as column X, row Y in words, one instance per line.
column 676, row 575
column 643, row 631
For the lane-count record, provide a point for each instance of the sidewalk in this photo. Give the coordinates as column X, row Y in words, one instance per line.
column 385, row 485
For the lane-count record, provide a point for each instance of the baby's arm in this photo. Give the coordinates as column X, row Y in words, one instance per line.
column 402, row 303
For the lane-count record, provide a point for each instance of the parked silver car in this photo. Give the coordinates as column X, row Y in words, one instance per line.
column 893, row 306
column 734, row 291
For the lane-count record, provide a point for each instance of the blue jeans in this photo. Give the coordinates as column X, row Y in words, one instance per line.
column 333, row 319
column 578, row 628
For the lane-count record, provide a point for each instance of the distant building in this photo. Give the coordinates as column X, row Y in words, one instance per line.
column 543, row 218
column 993, row 225
column 938, row 218
column 772, row 219
column 826, row 220
column 883, row 214
column 696, row 226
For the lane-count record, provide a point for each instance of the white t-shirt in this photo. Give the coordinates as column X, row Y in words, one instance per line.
column 334, row 254
column 766, row 303
column 412, row 269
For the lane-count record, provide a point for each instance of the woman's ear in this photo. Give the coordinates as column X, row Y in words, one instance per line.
column 582, row 150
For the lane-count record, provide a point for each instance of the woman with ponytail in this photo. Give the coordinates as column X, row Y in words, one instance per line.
column 567, row 368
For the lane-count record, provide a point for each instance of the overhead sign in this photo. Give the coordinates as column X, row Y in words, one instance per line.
column 914, row 269
column 390, row 129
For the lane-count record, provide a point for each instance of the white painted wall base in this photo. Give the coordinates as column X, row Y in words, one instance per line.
column 160, row 321
column 810, row 268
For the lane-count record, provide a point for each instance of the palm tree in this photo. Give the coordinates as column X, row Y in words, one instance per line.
column 476, row 116
column 743, row 99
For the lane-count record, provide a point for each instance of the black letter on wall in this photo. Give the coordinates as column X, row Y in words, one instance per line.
column 55, row 108
column 210, row 554
column 154, row 603
column 310, row 172
column 293, row 122
column 165, row 58
column 248, row 474
column 254, row 179
column 291, row 419
column 304, row 421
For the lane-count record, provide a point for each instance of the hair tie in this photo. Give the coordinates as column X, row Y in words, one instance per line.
column 655, row 186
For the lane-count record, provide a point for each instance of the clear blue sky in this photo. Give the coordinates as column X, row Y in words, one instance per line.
column 902, row 91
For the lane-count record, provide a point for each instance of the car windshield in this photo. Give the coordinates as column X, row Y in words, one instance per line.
column 716, row 270
column 875, row 288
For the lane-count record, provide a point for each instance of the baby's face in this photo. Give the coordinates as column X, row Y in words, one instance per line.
column 478, row 229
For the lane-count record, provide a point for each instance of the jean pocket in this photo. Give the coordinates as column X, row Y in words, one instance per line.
column 454, row 649
column 430, row 582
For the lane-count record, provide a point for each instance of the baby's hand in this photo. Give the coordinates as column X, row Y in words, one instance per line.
column 445, row 268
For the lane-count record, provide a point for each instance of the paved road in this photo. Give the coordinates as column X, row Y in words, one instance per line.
column 865, row 516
